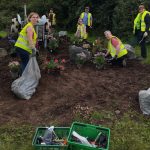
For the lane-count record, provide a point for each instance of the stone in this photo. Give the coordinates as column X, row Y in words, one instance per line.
column 3, row 52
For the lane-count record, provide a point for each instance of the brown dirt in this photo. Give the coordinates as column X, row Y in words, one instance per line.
column 77, row 91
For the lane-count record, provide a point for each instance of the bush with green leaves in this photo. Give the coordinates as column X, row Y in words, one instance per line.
column 99, row 60
column 53, row 45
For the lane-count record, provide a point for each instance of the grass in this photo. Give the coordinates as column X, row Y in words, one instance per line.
column 131, row 132
column 138, row 53
column 3, row 34
column 16, row 138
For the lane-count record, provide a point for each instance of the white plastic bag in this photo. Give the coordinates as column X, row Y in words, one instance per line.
column 25, row 86
column 42, row 20
column 144, row 100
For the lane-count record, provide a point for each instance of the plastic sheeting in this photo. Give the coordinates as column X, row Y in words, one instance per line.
column 25, row 86
column 144, row 100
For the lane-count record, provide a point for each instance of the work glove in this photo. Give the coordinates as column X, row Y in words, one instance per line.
column 33, row 52
column 115, row 57
column 145, row 34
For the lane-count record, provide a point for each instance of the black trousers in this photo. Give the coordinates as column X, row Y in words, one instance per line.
column 142, row 42
column 119, row 61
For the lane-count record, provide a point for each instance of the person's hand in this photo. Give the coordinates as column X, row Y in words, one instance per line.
column 33, row 52
column 145, row 34
column 115, row 57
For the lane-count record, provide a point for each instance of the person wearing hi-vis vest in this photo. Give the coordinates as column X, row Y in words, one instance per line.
column 86, row 16
column 116, row 50
column 26, row 42
column 141, row 28
column 52, row 17
column 81, row 30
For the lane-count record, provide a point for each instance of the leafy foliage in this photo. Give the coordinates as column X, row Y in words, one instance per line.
column 116, row 16
column 99, row 60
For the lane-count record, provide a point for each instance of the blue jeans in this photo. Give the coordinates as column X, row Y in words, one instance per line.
column 24, row 55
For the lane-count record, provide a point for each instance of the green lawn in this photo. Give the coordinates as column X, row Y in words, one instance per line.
column 131, row 132
column 138, row 53
column 3, row 34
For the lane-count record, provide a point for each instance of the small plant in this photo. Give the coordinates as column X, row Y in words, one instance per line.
column 76, row 41
column 80, row 59
column 53, row 45
column 55, row 65
column 14, row 66
column 99, row 60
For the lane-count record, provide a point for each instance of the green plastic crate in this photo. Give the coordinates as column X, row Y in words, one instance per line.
column 88, row 131
column 61, row 132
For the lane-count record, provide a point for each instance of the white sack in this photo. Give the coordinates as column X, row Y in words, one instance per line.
column 144, row 100
column 25, row 86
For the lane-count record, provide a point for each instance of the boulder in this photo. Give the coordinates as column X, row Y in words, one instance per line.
column 3, row 52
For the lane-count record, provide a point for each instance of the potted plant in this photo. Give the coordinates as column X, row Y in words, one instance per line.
column 14, row 67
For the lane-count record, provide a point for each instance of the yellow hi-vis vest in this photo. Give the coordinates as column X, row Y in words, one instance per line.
column 112, row 49
column 143, row 25
column 139, row 22
column 22, row 41
column 53, row 21
column 89, row 17
column 82, row 30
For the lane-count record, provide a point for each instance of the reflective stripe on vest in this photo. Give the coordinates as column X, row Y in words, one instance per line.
column 89, row 18
column 22, row 41
column 113, row 50
column 53, row 18
column 143, row 25
column 82, row 31
column 137, row 23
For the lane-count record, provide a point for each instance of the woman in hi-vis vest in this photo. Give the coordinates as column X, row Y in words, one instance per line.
column 81, row 30
column 116, row 50
column 26, row 42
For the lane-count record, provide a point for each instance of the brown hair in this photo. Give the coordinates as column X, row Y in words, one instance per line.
column 31, row 14
column 142, row 6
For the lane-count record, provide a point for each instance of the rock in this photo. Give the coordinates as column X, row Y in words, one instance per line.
column 117, row 112
column 62, row 33
column 3, row 52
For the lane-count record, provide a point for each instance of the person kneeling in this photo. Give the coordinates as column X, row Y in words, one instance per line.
column 116, row 49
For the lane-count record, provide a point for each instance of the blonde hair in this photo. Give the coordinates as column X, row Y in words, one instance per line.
column 107, row 32
column 31, row 14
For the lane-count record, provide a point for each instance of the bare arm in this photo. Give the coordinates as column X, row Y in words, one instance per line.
column 116, row 44
column 77, row 34
column 30, row 37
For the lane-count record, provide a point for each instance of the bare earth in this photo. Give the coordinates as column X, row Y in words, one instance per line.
column 59, row 99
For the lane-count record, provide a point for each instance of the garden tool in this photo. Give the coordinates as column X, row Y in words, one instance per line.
column 141, row 40
column 144, row 35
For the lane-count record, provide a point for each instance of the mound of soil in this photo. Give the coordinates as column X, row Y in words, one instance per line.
column 59, row 99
